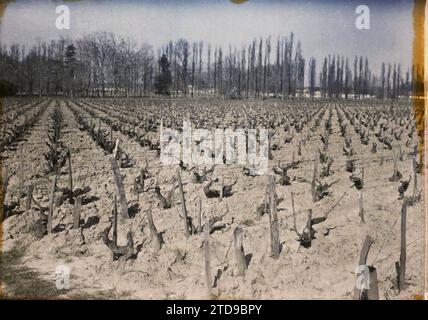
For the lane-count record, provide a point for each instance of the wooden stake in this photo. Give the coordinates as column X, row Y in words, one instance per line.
column 70, row 176
column 116, row 149
column 221, row 189
column 156, row 241
column 29, row 197
column 183, row 205
column 120, row 188
column 368, row 241
column 273, row 219
column 294, row 212
column 207, row 257
column 239, row 251
column 21, row 172
column 373, row 292
column 401, row 266
column 309, row 224
column 266, row 203
column 361, row 199
column 76, row 212
column 361, row 204
column 282, row 177
column 114, row 236
column 51, row 204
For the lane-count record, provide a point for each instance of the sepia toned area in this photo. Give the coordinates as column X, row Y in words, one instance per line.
column 91, row 212
column 358, row 191
column 420, row 107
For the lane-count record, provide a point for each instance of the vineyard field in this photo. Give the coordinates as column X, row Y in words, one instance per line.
column 340, row 173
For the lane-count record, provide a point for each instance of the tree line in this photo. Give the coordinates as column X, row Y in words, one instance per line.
column 103, row 65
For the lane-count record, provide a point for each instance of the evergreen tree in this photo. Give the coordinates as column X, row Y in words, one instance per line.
column 70, row 67
column 163, row 80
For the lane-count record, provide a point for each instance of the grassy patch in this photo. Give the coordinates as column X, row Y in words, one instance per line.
column 21, row 282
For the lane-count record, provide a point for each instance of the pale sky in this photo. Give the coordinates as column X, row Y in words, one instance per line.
column 323, row 27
